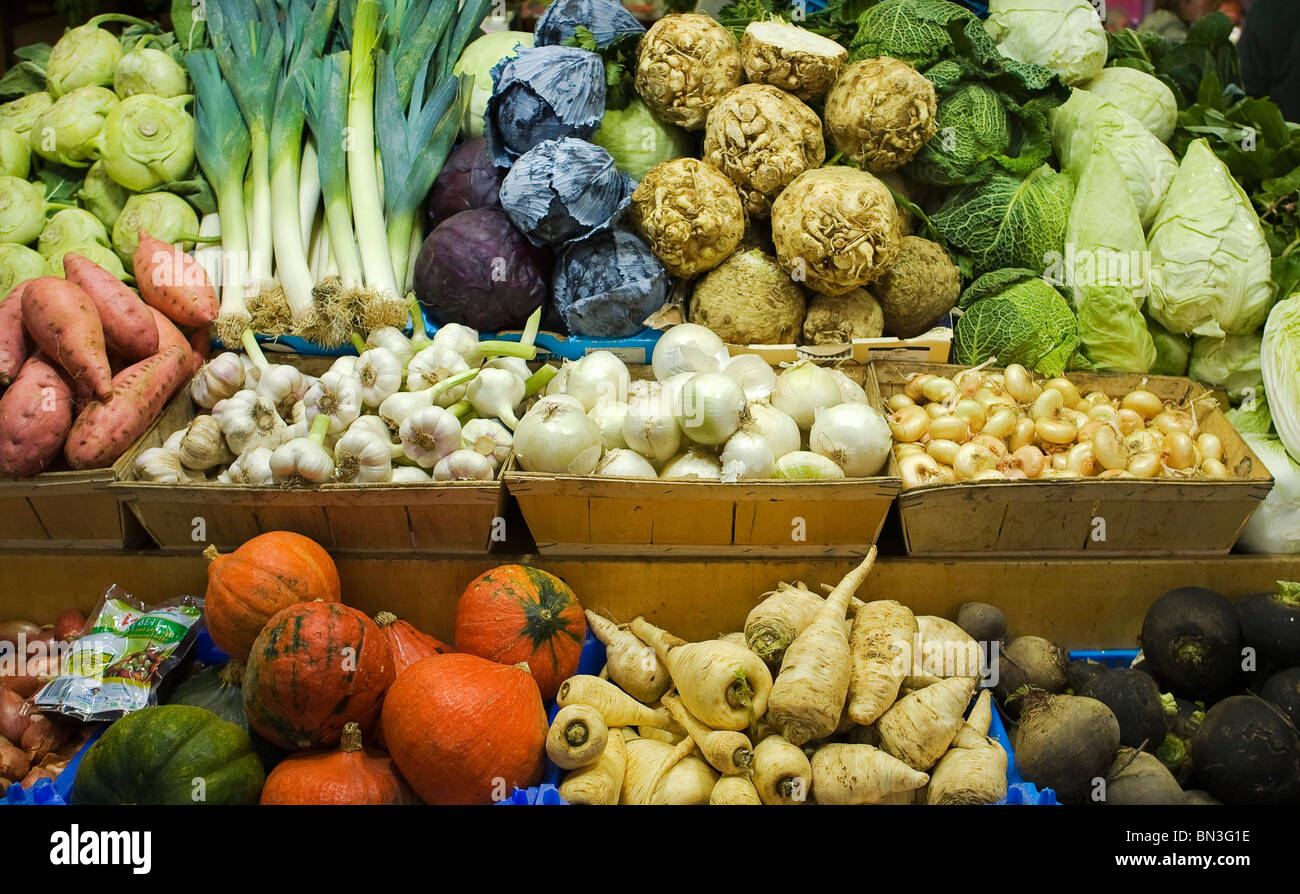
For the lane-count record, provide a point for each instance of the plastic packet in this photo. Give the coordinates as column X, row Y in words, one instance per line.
column 116, row 666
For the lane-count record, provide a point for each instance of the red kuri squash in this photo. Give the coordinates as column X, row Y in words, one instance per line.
column 268, row 573
column 407, row 643
column 314, row 667
column 515, row 613
column 351, row 775
column 465, row 730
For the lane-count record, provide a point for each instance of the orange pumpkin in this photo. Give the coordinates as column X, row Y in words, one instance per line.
column 268, row 573
column 515, row 613
column 315, row 667
column 465, row 730
column 407, row 643
column 351, row 775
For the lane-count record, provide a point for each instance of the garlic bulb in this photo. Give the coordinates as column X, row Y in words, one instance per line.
column 282, row 385
column 513, row 365
column 394, row 410
column 463, row 465
column 392, row 340
column 488, row 437
column 252, row 372
column 253, row 466
column 161, row 466
column 202, row 446
column 374, row 425
column 380, row 374
column 304, row 460
column 336, row 396
column 361, row 456
column 219, row 378
column 431, row 366
column 494, row 394
column 173, row 442
column 457, row 338
column 429, row 434
column 249, row 420
column 409, row 475
column 345, row 365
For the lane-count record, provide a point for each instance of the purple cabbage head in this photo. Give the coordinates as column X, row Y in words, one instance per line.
column 561, row 190
column 607, row 20
column 543, row 93
column 467, row 181
column 475, row 268
column 607, row 285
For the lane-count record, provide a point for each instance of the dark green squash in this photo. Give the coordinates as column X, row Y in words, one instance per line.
column 220, row 689
column 170, row 754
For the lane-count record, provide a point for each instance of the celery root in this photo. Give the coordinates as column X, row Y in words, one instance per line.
column 601, row 782
column 881, row 645
column 782, row 774
column 723, row 684
column 919, row 727
column 728, row 751
column 809, row 692
column 577, row 737
column 616, row 706
column 631, row 664
column 860, row 774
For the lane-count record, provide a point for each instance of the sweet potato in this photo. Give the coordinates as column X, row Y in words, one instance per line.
column 105, row 429
column 125, row 317
column 15, row 346
column 171, row 337
column 174, row 283
column 201, row 346
column 35, row 417
column 63, row 322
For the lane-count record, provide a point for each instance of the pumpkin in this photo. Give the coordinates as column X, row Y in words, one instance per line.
column 353, row 774
column 170, row 754
column 220, row 690
column 465, row 730
column 270, row 572
column 407, row 643
column 515, row 613
column 315, row 667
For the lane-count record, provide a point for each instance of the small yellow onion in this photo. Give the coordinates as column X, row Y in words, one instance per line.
column 1145, row 465
column 1110, row 449
column 1069, row 393
column 1019, row 384
column 918, row 470
column 951, row 428
column 1047, row 404
column 996, row 446
column 972, row 411
column 943, row 450
column 1022, row 434
column 1080, row 459
column 1213, row 468
column 1031, row 460
column 973, row 459
column 1056, row 430
column 1210, row 445
column 1178, row 451
column 1130, row 420
column 899, row 401
column 908, row 423
column 1143, row 402
column 1001, row 422
column 914, row 386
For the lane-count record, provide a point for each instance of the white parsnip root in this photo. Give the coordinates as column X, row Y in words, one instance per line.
column 630, row 663
column 577, row 737
column 974, row 771
column 616, row 706
column 919, row 727
column 732, row 790
column 808, row 694
column 860, row 774
column 881, row 643
column 946, row 651
column 658, row 773
column 782, row 774
column 602, row 782
column 728, row 751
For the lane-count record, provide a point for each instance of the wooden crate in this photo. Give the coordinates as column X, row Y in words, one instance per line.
column 438, row 517
column 578, row 515
column 1157, row 517
column 63, row 510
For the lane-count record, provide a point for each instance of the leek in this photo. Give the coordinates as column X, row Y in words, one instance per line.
column 223, row 147
column 413, row 29
column 468, row 21
column 309, row 190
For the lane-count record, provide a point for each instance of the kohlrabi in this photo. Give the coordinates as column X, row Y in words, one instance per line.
column 147, row 141
column 163, row 215
column 101, row 195
column 65, row 133
column 149, row 70
column 71, row 227
column 17, row 263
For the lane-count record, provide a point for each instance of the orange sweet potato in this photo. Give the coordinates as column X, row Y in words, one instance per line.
column 174, row 283
column 14, row 343
column 105, row 429
column 171, row 337
column 125, row 318
column 35, row 417
column 64, row 323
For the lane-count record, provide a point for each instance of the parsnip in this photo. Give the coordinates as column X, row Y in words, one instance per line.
column 616, row 706
column 974, row 771
column 809, row 692
column 946, row 651
column 782, row 774
column 736, row 637
column 602, row 782
column 723, row 684
column 881, row 644
column 860, row 774
column 661, row 735
column 629, row 662
column 778, row 619
column 728, row 751
column 671, row 732
column 734, row 790
column 577, row 737
column 919, row 727
column 689, row 780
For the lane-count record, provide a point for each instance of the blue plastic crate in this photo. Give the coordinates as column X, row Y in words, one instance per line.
column 1110, row 657
column 1019, row 792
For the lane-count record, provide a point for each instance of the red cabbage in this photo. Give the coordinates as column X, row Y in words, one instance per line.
column 467, row 181
column 475, row 268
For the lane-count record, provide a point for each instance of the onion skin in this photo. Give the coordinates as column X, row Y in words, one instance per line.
column 10, row 630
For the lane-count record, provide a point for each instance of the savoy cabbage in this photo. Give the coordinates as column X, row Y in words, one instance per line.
column 1014, row 316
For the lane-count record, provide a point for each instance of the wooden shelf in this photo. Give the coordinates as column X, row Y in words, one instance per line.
column 1096, row 603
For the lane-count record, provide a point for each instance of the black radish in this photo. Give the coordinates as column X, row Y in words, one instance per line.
column 1191, row 639
column 1030, row 661
column 985, row 623
column 1270, row 622
column 1136, row 777
column 1079, row 671
column 1182, row 719
column 1134, row 699
column 1247, row 752
column 1197, row 798
column 1283, row 690
column 1065, row 742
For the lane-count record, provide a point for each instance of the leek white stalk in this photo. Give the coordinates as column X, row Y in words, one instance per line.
column 464, row 465
column 428, row 435
column 309, row 189
column 494, row 393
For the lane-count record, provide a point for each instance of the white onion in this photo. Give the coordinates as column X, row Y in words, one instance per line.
column 557, row 440
column 694, row 463
column 853, row 436
column 642, row 388
column 455, row 337
column 712, row 405
column 753, row 374
column 621, row 463
column 609, row 417
column 650, row 430
column 557, row 400
column 777, row 428
column 850, row 391
column 805, row 465
column 464, row 465
column 599, row 377
column 802, row 389
column 687, row 347
column 558, row 381
column 747, row 455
